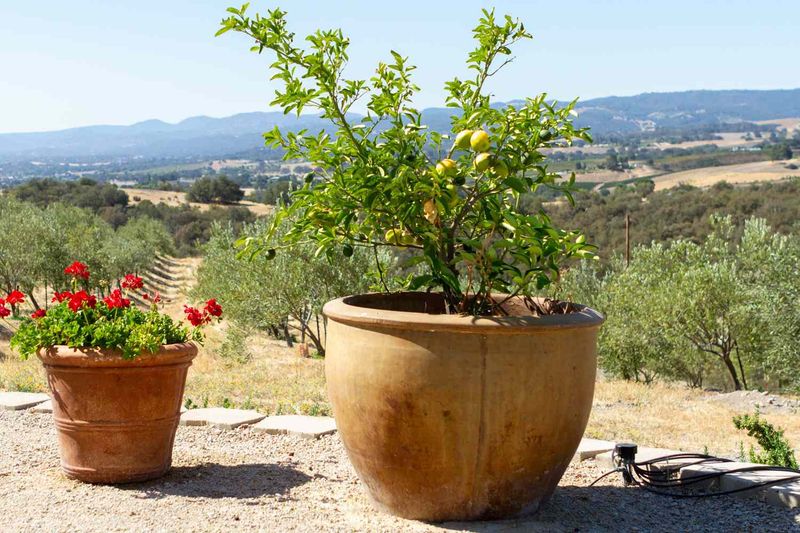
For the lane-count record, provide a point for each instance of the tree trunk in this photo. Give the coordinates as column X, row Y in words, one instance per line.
column 726, row 358
column 33, row 301
column 288, row 335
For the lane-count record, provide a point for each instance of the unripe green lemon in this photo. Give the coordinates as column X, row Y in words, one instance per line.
column 392, row 236
column 459, row 180
column 452, row 194
column 407, row 238
column 483, row 162
column 500, row 169
column 479, row 141
column 347, row 250
column 462, row 139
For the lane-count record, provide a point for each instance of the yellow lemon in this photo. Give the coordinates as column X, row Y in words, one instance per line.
column 479, row 141
column 446, row 167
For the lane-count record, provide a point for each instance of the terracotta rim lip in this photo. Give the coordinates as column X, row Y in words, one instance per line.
column 168, row 354
column 344, row 311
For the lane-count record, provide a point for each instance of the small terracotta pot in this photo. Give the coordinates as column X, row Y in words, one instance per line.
column 116, row 418
column 449, row 417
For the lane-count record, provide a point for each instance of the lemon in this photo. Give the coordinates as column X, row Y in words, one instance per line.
column 483, row 162
column 392, row 236
column 479, row 141
column 500, row 170
column 446, row 167
column 462, row 139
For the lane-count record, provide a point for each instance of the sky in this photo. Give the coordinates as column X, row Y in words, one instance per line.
column 79, row 62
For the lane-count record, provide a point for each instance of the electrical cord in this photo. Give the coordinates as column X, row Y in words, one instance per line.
column 647, row 475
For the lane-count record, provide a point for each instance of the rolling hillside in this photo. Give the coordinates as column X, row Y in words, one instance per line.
column 208, row 137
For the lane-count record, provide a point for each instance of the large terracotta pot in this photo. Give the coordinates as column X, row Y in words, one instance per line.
column 449, row 417
column 116, row 418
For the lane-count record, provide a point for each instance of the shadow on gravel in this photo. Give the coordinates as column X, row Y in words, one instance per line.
column 609, row 508
column 211, row 480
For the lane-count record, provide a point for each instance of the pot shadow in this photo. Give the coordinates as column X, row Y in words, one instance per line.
column 210, row 480
column 609, row 508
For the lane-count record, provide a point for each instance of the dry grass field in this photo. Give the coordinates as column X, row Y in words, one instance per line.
column 789, row 124
column 729, row 140
column 609, row 176
column 179, row 198
column 734, row 174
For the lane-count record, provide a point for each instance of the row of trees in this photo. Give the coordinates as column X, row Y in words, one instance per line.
column 720, row 312
column 282, row 296
column 37, row 243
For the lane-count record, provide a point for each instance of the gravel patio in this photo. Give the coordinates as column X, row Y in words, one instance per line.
column 244, row 480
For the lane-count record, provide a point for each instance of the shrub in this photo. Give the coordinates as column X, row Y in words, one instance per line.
column 776, row 450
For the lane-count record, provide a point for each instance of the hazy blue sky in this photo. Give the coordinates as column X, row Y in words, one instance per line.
column 66, row 63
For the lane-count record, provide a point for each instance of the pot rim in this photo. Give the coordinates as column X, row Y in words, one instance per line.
column 168, row 354
column 350, row 310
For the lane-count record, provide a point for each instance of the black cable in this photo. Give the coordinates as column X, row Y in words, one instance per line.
column 644, row 474
column 619, row 469
column 647, row 478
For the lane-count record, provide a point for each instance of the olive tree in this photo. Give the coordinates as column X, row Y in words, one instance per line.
column 682, row 309
column 279, row 295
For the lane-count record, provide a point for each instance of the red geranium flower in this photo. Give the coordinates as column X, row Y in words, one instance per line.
column 213, row 308
column 39, row 313
column 61, row 296
column 4, row 311
column 77, row 270
column 132, row 282
column 81, row 298
column 2, row 302
column 15, row 297
column 116, row 301
column 194, row 316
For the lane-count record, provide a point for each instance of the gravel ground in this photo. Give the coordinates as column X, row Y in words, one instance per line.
column 232, row 480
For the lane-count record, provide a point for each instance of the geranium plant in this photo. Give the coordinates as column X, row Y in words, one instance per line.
column 79, row 319
column 385, row 179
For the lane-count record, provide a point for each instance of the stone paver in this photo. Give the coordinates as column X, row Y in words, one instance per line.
column 781, row 495
column 44, row 407
column 309, row 427
column 15, row 401
column 590, row 448
column 220, row 417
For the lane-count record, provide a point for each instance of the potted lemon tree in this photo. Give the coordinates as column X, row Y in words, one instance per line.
column 463, row 396
column 116, row 374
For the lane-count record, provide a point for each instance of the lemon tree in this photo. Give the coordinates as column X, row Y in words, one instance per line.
column 382, row 178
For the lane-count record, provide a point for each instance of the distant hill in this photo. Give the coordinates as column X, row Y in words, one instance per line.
column 238, row 134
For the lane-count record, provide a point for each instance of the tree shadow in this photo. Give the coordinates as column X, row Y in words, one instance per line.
column 610, row 508
column 210, row 480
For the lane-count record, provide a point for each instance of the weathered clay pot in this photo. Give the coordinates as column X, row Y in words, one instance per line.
column 449, row 417
column 116, row 418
